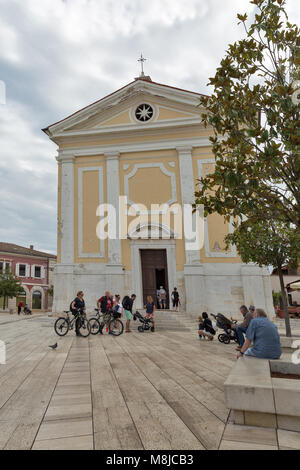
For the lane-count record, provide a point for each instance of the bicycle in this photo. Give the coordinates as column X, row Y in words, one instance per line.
column 113, row 325
column 65, row 324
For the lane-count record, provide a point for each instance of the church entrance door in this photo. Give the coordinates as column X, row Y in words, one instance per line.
column 154, row 273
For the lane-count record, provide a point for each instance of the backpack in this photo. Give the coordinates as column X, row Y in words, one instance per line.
column 126, row 303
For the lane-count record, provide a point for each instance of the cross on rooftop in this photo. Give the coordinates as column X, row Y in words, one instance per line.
column 142, row 60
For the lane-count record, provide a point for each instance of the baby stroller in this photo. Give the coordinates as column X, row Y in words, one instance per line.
column 146, row 323
column 225, row 324
column 27, row 311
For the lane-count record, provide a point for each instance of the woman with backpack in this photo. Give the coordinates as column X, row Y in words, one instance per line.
column 127, row 304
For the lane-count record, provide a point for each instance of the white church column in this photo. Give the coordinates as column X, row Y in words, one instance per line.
column 113, row 193
column 67, row 210
column 193, row 270
column 114, row 267
column 63, row 273
column 187, row 193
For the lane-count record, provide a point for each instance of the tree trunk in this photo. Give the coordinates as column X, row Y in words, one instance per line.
column 285, row 304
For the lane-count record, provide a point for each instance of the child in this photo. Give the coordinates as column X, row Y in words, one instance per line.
column 150, row 309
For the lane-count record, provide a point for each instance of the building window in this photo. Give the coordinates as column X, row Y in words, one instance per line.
column 37, row 271
column 4, row 266
column 144, row 112
column 22, row 270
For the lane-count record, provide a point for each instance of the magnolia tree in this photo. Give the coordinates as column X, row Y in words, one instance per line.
column 268, row 244
column 255, row 115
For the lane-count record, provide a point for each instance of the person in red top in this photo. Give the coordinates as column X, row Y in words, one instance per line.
column 105, row 303
column 20, row 305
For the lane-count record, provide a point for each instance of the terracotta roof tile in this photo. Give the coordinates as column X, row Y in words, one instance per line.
column 22, row 250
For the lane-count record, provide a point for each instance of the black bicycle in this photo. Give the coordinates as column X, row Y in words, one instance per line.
column 106, row 323
column 64, row 324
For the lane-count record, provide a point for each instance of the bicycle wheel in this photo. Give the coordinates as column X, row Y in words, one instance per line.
column 95, row 326
column 61, row 326
column 84, row 327
column 115, row 327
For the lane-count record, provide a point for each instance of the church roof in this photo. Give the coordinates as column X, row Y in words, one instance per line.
column 139, row 79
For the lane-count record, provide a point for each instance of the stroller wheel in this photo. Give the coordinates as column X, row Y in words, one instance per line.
column 220, row 337
column 226, row 339
column 140, row 329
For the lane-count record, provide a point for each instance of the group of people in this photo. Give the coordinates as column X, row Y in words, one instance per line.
column 108, row 302
column 161, row 295
column 105, row 304
column 257, row 336
column 261, row 335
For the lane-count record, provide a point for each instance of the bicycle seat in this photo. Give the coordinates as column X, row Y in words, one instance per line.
column 96, row 309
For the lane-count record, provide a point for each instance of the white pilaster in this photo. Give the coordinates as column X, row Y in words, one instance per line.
column 188, row 194
column 113, row 193
column 67, row 210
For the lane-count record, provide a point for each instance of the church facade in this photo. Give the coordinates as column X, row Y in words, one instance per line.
column 145, row 143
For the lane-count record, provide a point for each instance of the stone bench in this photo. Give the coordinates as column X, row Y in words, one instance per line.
column 257, row 399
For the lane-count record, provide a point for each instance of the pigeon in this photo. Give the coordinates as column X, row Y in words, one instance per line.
column 53, row 346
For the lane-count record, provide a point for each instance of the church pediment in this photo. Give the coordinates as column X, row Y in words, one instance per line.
column 139, row 104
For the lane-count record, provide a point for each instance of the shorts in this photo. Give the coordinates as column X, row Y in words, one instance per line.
column 127, row 314
column 175, row 303
column 163, row 301
column 149, row 315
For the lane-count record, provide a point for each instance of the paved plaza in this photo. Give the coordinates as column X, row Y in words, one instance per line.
column 138, row 391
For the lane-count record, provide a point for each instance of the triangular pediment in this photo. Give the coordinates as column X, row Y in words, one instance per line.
column 118, row 111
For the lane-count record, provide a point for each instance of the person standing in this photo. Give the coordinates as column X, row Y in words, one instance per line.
column 118, row 305
column 128, row 305
column 241, row 328
column 20, row 305
column 105, row 303
column 162, row 297
column 150, row 309
column 78, row 305
column 175, row 298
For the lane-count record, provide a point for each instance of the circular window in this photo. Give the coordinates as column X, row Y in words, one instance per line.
column 144, row 112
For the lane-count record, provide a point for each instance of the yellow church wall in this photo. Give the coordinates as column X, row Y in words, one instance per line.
column 77, row 142
column 150, row 185
column 59, row 177
column 122, row 118
column 218, row 228
column 169, row 114
column 90, row 195
column 140, row 190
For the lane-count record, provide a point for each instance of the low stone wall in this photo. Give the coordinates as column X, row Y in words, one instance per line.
column 258, row 399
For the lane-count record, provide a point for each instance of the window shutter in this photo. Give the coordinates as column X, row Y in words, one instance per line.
column 17, row 269
column 42, row 272
column 27, row 272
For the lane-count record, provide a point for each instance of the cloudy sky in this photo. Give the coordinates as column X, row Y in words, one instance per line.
column 57, row 56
